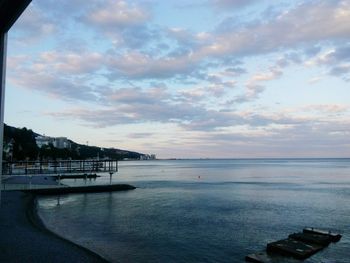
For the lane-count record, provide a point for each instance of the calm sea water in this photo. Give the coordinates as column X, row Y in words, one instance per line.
column 206, row 210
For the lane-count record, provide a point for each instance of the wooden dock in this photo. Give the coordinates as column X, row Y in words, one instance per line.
column 300, row 245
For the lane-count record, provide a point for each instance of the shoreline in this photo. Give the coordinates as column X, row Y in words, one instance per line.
column 35, row 219
column 25, row 238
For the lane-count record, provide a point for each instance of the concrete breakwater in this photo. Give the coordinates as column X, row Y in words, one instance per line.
column 298, row 245
column 81, row 189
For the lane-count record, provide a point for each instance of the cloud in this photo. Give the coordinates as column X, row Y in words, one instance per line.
column 55, row 87
column 136, row 65
column 327, row 108
column 235, row 71
column 70, row 63
column 305, row 140
column 64, row 9
column 266, row 76
column 33, row 25
column 122, row 21
column 198, row 54
column 337, row 60
column 137, row 96
column 341, row 70
column 120, row 55
column 140, row 135
column 56, row 74
column 254, row 87
column 117, row 14
column 325, row 21
column 139, row 106
column 128, row 24
column 135, row 105
column 231, row 4
column 314, row 80
column 336, row 55
column 237, row 134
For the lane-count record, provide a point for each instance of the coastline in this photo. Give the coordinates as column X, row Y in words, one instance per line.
column 25, row 238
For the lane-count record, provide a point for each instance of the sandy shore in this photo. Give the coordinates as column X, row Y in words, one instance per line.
column 24, row 238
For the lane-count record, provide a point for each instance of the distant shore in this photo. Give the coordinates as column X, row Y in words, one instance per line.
column 24, row 237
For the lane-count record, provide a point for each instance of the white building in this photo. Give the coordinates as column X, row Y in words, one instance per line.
column 148, row 157
column 43, row 140
column 62, row 143
column 58, row 142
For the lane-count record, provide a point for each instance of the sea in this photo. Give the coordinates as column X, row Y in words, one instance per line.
column 207, row 210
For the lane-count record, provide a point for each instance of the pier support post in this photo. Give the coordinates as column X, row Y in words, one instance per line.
column 30, row 181
column 110, row 177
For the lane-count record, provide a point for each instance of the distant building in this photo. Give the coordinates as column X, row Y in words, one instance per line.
column 58, row 142
column 43, row 140
column 147, row 157
column 62, row 143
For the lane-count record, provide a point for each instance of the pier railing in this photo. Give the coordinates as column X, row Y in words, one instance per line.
column 59, row 167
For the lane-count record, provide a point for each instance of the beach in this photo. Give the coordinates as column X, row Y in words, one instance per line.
column 24, row 238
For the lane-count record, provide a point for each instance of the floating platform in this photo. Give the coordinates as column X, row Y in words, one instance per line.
column 311, row 238
column 298, row 245
column 335, row 237
column 293, row 248
column 81, row 189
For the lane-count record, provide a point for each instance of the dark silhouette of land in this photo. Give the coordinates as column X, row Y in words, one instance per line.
column 24, row 147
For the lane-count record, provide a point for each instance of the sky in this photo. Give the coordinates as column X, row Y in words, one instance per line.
column 185, row 79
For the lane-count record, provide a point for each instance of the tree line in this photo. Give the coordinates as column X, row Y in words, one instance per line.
column 20, row 144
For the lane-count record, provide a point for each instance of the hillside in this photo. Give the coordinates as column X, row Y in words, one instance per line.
column 20, row 144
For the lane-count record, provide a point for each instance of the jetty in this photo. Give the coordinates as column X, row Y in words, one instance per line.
column 44, row 177
column 300, row 245
column 59, row 167
column 80, row 189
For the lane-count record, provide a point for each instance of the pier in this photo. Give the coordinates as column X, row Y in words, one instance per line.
column 44, row 177
column 59, row 167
